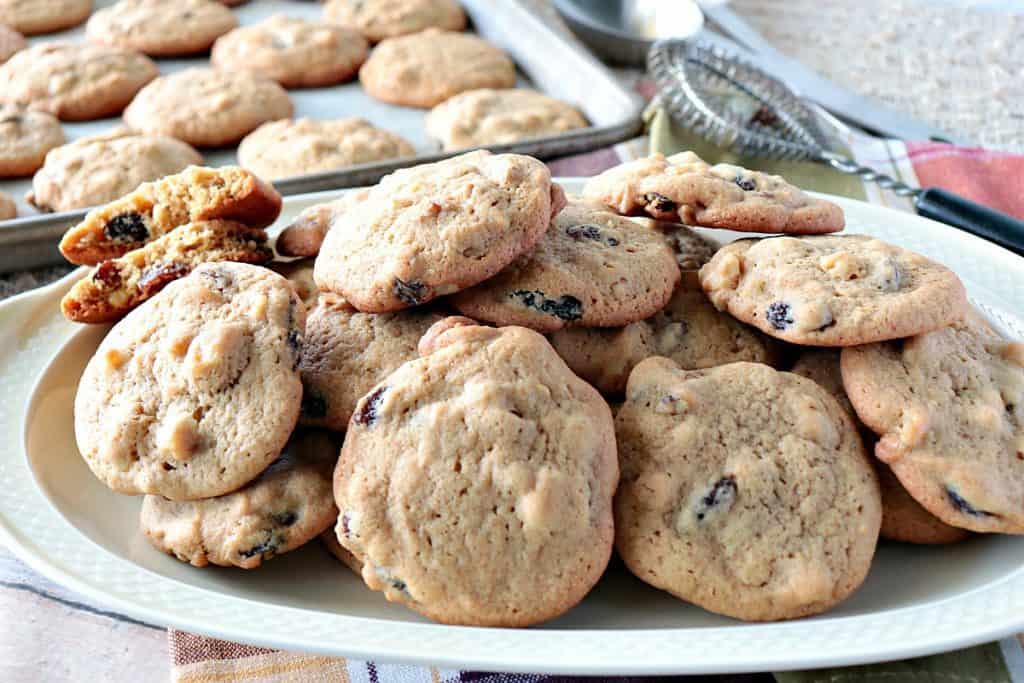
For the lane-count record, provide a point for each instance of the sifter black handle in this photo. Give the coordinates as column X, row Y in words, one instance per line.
column 946, row 207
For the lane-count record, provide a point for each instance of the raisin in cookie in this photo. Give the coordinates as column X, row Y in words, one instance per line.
column 74, row 82
column 281, row 149
column 949, row 406
column 194, row 393
column 434, row 229
column 117, row 286
column 684, row 188
column 744, row 490
column 101, row 168
column 381, row 19
column 156, row 208
column 32, row 17
column 425, row 69
column 493, row 117
column 903, row 518
column 8, row 209
column 10, row 42
column 292, row 51
column 25, row 138
column 592, row 268
column 159, row 28
column 489, row 448
column 207, row 108
column 347, row 352
column 287, row 506
column 837, row 290
column 689, row 331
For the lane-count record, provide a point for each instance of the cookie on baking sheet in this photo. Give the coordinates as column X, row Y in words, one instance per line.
column 117, row 286
column 433, row 229
column 833, row 290
column 475, row 483
column 300, row 274
column 688, row 330
column 381, row 19
column 194, row 393
column 425, row 69
column 493, row 117
column 155, row 208
column 304, row 235
column 25, row 138
column 684, row 188
column 903, row 518
column 287, row 506
column 949, row 409
column 294, row 52
column 744, row 490
column 32, row 17
column 8, row 209
column 74, row 81
column 285, row 148
column 347, row 352
column 591, row 268
column 159, row 28
column 207, row 108
column 10, row 42
column 99, row 169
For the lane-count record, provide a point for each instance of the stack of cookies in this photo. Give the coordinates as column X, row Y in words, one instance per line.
column 525, row 380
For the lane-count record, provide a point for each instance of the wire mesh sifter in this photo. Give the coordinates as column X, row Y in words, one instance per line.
column 736, row 106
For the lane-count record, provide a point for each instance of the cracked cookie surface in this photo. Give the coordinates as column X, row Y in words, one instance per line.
column 744, row 490
column 475, row 483
column 833, row 290
column 175, row 400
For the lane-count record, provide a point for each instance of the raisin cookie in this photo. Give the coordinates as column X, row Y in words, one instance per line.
column 10, row 42
column 300, row 274
column 292, row 51
column 119, row 285
column 689, row 331
column 744, row 490
column 156, row 208
column 74, row 82
column 949, row 407
column 691, row 248
column 493, row 117
column 903, row 518
column 434, row 229
column 304, row 235
column 159, row 28
column 32, row 17
column 8, row 209
column 425, row 69
column 25, row 138
column 280, row 149
column 591, row 268
column 683, row 188
column 175, row 400
column 381, row 19
column 489, row 448
column 99, row 169
column 287, row 506
column 330, row 540
column 836, row 290
column 207, row 108
column 347, row 352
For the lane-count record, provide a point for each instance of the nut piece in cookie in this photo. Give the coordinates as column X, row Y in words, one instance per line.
column 833, row 290
column 688, row 330
column 487, row 447
column 174, row 401
column 591, row 268
column 744, row 490
column 949, row 409
column 156, row 208
column 287, row 506
column 434, row 229
column 381, row 19
column 117, row 286
column 347, row 352
column 683, row 188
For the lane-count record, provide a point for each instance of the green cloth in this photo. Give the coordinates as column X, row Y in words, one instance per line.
column 981, row 664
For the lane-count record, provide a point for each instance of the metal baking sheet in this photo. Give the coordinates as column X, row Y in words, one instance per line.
column 545, row 58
